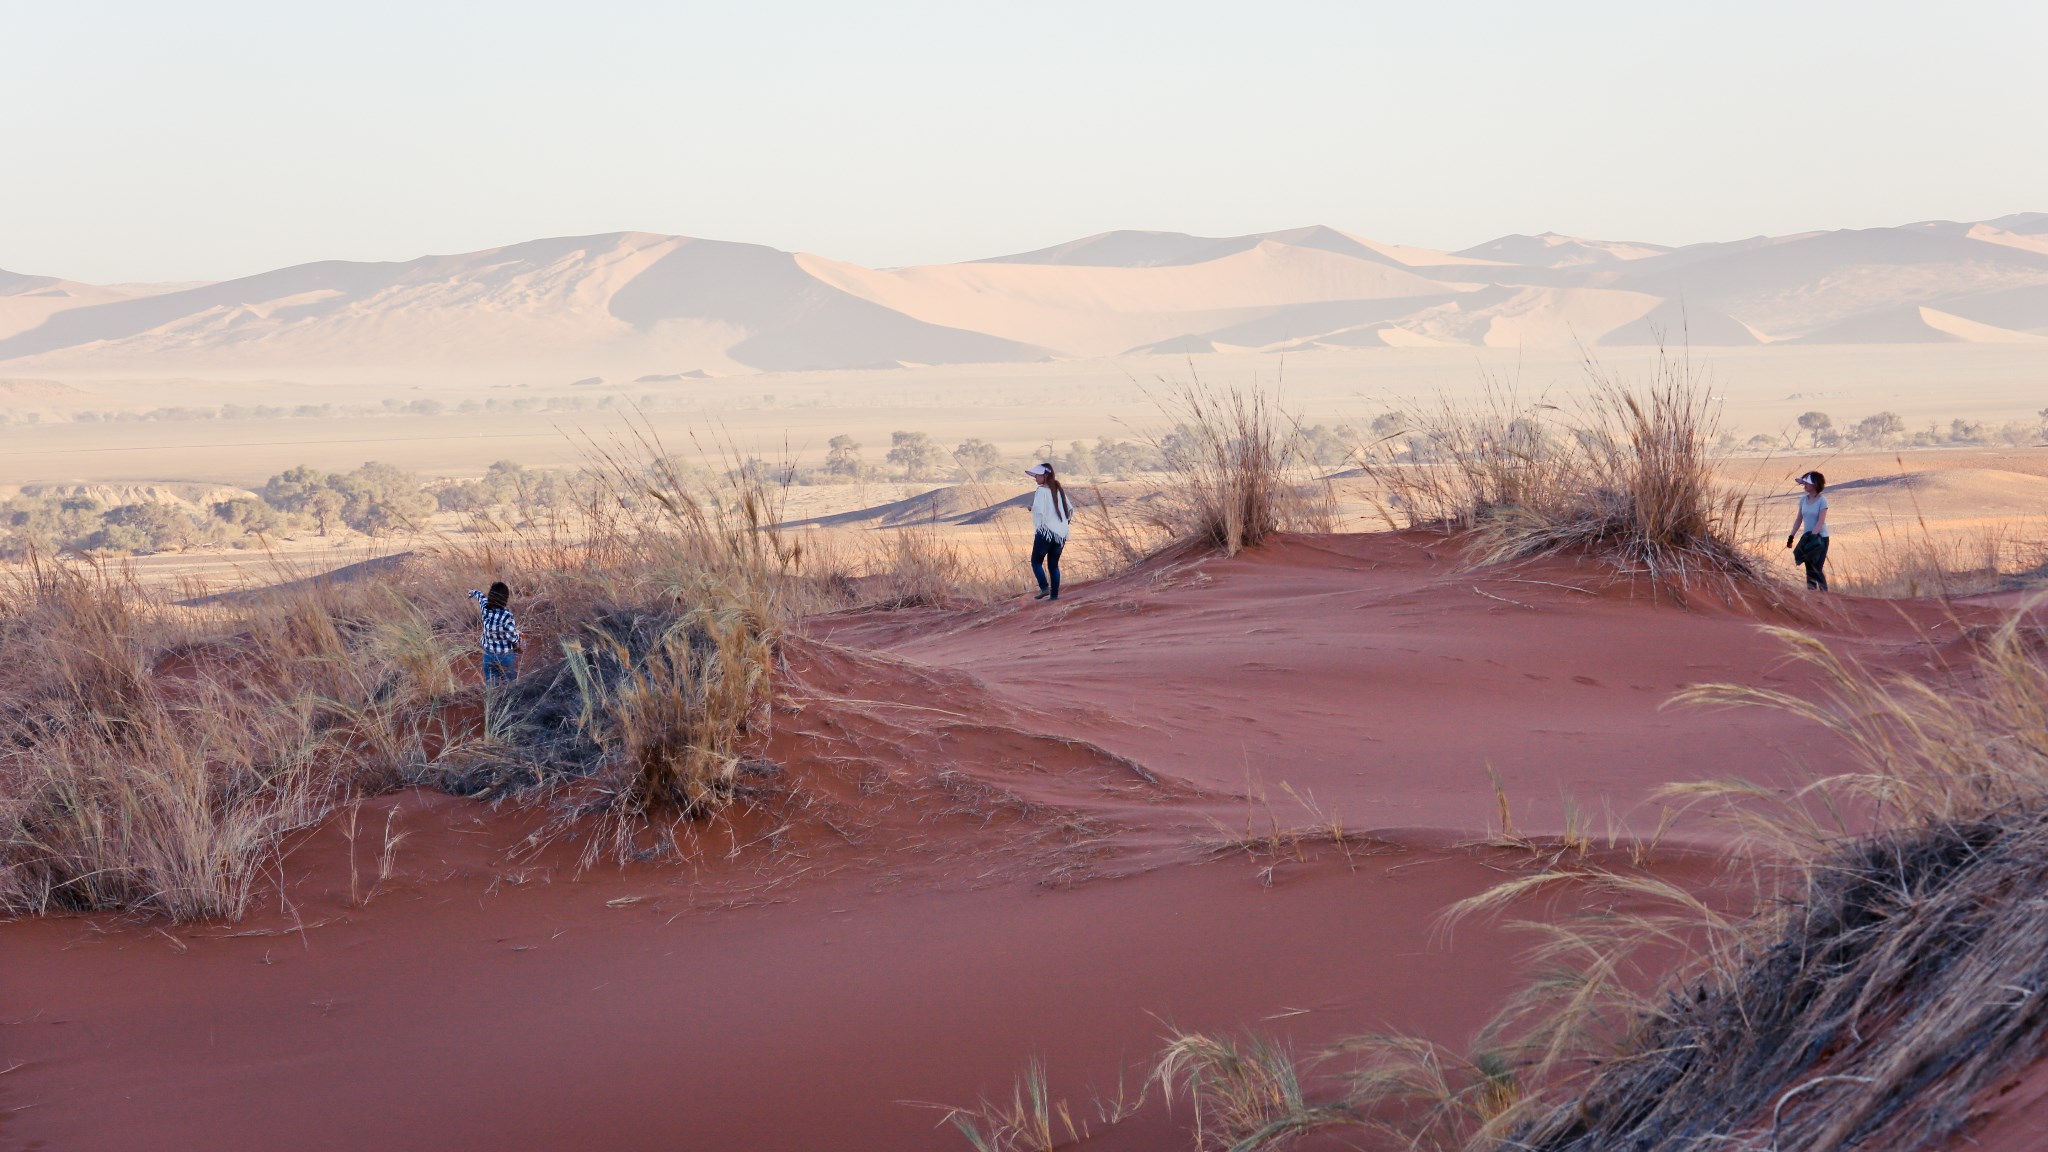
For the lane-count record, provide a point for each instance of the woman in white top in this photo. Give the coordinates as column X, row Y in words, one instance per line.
column 1051, row 515
column 1812, row 549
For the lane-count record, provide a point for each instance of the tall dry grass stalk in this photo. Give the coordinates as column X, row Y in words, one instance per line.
column 716, row 540
column 1902, row 566
column 1883, row 980
column 1029, row 1121
column 1246, row 1093
column 1969, row 741
column 1237, row 470
column 922, row 565
column 1874, row 1008
column 1627, row 473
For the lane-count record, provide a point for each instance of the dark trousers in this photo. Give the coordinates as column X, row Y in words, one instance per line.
column 1816, row 556
column 1045, row 557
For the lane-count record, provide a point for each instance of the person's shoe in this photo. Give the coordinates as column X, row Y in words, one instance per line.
column 1042, row 594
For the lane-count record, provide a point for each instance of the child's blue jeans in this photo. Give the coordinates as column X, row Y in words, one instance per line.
column 500, row 666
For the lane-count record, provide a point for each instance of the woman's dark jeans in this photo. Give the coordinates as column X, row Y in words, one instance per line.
column 1045, row 555
column 1815, row 558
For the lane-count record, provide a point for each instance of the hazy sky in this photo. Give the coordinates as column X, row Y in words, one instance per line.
column 152, row 141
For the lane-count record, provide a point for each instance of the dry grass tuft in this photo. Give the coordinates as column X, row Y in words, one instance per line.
column 918, row 566
column 1236, row 465
column 1412, row 1092
column 1874, row 1012
column 1628, row 475
column 125, row 784
column 1246, row 1094
column 672, row 705
column 1029, row 1121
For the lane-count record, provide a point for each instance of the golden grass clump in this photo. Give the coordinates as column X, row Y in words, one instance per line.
column 1029, row 1121
column 918, row 566
column 1628, row 475
column 1245, row 1092
column 153, row 764
column 1236, row 469
column 672, row 704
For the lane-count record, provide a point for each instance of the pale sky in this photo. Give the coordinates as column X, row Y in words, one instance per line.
column 153, row 141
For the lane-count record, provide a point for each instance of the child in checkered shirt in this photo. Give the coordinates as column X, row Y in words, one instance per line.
column 501, row 633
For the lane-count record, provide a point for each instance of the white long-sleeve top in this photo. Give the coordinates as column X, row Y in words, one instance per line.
column 1046, row 517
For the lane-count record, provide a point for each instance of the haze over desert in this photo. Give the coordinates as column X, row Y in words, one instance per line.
column 1105, row 577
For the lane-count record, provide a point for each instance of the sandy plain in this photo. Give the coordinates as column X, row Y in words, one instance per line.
column 1018, row 407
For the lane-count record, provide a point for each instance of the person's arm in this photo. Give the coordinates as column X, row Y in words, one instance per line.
column 478, row 597
column 512, row 626
column 1798, row 517
column 1820, row 522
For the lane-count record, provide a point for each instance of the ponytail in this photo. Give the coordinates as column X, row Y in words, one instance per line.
column 1060, row 503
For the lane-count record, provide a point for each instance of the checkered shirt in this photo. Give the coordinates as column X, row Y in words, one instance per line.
column 501, row 632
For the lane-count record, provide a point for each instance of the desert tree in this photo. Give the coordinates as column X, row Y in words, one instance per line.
column 842, row 456
column 917, row 454
column 1879, row 428
column 979, row 457
column 1816, row 424
column 1079, row 460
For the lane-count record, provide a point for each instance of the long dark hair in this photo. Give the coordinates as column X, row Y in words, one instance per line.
column 1060, row 503
column 497, row 596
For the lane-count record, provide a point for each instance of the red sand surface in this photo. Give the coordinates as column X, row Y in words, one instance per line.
column 1000, row 842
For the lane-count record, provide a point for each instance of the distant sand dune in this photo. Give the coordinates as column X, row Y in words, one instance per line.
column 631, row 304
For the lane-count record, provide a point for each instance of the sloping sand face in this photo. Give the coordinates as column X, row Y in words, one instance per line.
column 1003, row 833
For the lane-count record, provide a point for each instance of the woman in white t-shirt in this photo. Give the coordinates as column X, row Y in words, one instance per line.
column 1052, row 514
column 1812, row 547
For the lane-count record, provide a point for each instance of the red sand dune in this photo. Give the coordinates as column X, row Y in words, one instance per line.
column 1000, row 843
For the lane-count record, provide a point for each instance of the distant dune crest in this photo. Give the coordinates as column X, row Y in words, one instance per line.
column 636, row 305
